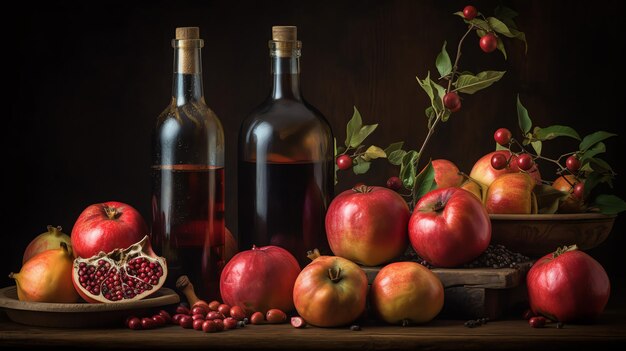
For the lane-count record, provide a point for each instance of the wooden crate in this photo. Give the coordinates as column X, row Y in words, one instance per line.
column 478, row 292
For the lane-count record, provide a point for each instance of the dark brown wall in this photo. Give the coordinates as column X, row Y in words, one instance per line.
column 87, row 82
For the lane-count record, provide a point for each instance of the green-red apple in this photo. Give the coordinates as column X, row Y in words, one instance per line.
column 484, row 173
column 511, row 193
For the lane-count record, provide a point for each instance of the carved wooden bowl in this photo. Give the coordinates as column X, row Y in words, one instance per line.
column 540, row 234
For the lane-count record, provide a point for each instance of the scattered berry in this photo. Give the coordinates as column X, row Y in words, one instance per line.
column 470, row 12
column 344, row 162
column 572, row 163
column 257, row 318
column 298, row 322
column 502, row 136
column 489, row 42
column 498, row 161
column 134, row 323
column 452, row 101
column 537, row 322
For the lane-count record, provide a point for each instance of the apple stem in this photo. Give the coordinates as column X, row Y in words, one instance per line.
column 336, row 276
column 561, row 250
column 111, row 212
column 312, row 255
column 363, row 189
column 54, row 230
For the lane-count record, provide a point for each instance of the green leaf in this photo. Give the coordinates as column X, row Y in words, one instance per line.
column 393, row 147
column 480, row 24
column 548, row 198
column 360, row 166
column 443, row 63
column 373, row 152
column 431, row 114
column 445, row 116
column 610, row 204
column 500, row 147
column 500, row 47
column 537, row 146
column 407, row 169
column 503, row 12
column 363, row 133
column 395, row 157
column 460, row 14
column 503, row 29
column 470, row 84
column 425, row 180
column 600, row 165
column 551, row 132
column 481, row 33
column 354, row 125
column 593, row 179
column 596, row 149
column 594, row 138
column 434, row 91
column 523, row 118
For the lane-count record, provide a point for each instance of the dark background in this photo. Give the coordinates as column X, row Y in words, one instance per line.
column 87, row 81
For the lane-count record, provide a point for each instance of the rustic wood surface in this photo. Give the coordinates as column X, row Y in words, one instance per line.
column 608, row 332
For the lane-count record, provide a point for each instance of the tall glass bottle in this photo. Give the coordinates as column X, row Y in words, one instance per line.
column 285, row 161
column 188, row 175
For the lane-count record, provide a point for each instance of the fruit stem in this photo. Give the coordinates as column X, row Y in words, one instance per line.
column 561, row 250
column 335, row 276
column 186, row 287
column 312, row 255
column 363, row 189
column 12, row 275
column 111, row 212
column 54, row 230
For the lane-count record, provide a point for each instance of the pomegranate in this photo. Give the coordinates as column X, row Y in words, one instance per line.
column 46, row 241
column 46, row 277
column 260, row 279
column 568, row 285
column 105, row 227
column 120, row 275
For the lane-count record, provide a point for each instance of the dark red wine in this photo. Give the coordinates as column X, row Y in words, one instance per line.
column 284, row 204
column 189, row 230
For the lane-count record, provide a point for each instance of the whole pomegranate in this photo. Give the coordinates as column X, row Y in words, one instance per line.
column 120, row 275
column 260, row 279
column 46, row 241
column 105, row 227
column 568, row 285
column 47, row 277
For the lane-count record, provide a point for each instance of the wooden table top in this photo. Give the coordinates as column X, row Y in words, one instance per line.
column 608, row 332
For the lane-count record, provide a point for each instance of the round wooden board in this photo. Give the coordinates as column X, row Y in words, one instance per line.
column 80, row 315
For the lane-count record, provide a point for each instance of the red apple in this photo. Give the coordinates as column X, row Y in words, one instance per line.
column 484, row 173
column 368, row 225
column 406, row 292
column 331, row 291
column 449, row 227
column 105, row 227
column 446, row 174
column 511, row 193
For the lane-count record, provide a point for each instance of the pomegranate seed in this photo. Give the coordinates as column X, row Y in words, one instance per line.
column 166, row 316
column 133, row 323
column 177, row 317
column 148, row 323
column 182, row 310
column 186, row 322
column 159, row 320
column 199, row 310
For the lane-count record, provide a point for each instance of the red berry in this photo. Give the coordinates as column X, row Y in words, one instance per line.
column 148, row 323
column 579, row 190
column 166, row 316
column 537, row 322
column 525, row 162
column 469, row 12
column 394, row 183
column 219, row 324
column 159, row 320
column 237, row 313
column 572, row 164
column 224, row 309
column 298, row 322
column 213, row 305
column 257, row 318
column 275, row 316
column 209, row 326
column 134, row 323
column 186, row 322
column 502, row 136
column 498, row 161
column 197, row 324
column 182, row 310
column 489, row 42
column 452, row 101
column 344, row 162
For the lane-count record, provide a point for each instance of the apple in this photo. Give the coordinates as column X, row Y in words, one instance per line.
column 511, row 193
column 105, row 227
column 368, row 225
column 331, row 291
column 571, row 204
column 484, row 173
column 479, row 190
column 406, row 292
column 449, row 227
column 446, row 173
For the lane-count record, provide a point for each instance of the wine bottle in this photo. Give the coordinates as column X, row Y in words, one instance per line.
column 188, row 175
column 285, row 160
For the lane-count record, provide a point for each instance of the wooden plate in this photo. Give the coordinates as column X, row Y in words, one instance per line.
column 540, row 234
column 80, row 315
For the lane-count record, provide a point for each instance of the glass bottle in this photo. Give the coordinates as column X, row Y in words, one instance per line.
column 188, row 176
column 285, row 161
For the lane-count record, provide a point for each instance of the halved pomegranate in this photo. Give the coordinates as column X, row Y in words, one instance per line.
column 121, row 275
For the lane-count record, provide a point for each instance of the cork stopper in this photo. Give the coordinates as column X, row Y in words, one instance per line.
column 184, row 33
column 284, row 33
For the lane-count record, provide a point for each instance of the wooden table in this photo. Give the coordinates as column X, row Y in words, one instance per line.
column 608, row 333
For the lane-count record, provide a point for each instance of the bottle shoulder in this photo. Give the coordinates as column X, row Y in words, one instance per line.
column 286, row 113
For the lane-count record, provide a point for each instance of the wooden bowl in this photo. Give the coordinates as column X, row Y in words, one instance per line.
column 80, row 315
column 540, row 234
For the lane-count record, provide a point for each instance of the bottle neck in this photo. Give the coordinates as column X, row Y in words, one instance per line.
column 286, row 77
column 187, row 82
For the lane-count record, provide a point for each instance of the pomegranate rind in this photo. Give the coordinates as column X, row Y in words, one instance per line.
column 121, row 258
